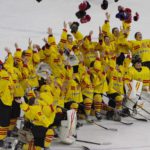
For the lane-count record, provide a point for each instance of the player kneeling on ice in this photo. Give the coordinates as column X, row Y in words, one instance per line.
column 115, row 91
column 39, row 125
column 137, row 80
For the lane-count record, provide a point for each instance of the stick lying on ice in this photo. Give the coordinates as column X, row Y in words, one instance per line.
column 93, row 142
column 92, row 122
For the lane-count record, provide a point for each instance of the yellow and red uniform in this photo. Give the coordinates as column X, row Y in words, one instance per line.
column 116, row 86
column 142, row 48
column 143, row 75
column 100, row 84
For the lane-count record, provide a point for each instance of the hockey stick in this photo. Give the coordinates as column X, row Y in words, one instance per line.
column 93, row 122
column 89, row 142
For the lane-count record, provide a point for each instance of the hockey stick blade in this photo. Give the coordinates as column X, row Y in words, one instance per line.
column 126, row 123
column 139, row 119
column 89, row 142
column 112, row 129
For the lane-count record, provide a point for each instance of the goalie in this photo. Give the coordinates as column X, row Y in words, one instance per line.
column 137, row 81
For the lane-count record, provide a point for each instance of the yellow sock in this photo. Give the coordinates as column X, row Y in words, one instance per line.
column 3, row 132
column 88, row 105
column 49, row 137
column 97, row 102
column 12, row 124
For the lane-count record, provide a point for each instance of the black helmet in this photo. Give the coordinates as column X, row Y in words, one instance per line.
column 136, row 58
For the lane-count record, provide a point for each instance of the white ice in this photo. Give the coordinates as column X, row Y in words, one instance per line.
column 23, row 19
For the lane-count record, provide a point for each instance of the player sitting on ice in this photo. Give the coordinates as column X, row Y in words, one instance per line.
column 137, row 80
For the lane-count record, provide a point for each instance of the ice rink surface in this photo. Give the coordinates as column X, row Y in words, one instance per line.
column 24, row 19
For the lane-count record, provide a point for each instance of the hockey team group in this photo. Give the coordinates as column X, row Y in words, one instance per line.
column 58, row 84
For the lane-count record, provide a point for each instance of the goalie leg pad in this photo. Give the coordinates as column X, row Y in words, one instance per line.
column 68, row 128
